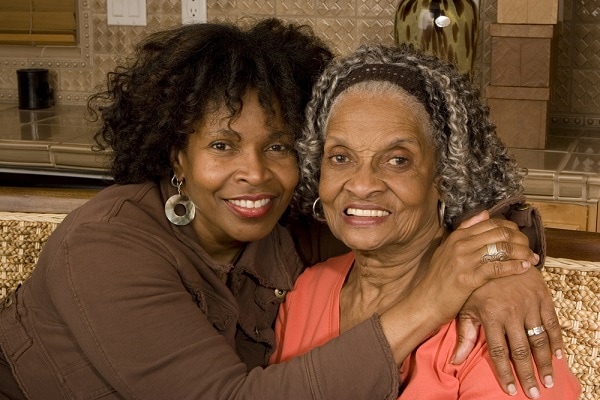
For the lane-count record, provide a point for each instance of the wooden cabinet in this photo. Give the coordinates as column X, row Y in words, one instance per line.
column 567, row 215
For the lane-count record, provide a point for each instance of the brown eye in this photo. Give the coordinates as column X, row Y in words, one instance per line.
column 398, row 161
column 339, row 158
column 220, row 146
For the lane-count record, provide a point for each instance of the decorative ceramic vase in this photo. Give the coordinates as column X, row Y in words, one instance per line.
column 445, row 28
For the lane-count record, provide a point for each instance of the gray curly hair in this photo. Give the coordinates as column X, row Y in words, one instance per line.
column 473, row 168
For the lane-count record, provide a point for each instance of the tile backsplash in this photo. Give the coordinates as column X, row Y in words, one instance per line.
column 75, row 73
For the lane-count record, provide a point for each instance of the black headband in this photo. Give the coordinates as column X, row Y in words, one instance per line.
column 409, row 79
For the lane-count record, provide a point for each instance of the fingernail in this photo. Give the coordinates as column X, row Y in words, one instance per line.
column 526, row 264
column 548, row 381
column 512, row 390
column 537, row 258
column 534, row 393
column 559, row 354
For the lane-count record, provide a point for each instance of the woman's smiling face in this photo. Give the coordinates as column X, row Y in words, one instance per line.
column 240, row 175
column 377, row 180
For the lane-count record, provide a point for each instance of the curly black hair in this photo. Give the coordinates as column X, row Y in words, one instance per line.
column 177, row 76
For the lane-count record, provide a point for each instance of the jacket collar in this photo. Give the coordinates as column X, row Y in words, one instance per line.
column 273, row 260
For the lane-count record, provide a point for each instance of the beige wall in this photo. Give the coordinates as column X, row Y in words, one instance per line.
column 343, row 23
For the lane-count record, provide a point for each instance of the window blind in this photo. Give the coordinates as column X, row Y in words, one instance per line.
column 38, row 22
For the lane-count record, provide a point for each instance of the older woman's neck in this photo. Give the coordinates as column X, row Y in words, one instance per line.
column 381, row 278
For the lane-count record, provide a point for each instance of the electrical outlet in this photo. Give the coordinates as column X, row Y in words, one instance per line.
column 193, row 11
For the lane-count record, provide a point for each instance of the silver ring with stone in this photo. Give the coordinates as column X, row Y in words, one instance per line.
column 536, row 330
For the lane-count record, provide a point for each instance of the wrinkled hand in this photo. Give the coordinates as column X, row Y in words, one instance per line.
column 507, row 307
column 457, row 267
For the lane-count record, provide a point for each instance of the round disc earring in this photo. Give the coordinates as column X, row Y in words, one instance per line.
column 179, row 200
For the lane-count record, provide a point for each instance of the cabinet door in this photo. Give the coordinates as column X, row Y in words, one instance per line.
column 564, row 215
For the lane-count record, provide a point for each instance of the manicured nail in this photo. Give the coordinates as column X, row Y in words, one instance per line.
column 534, row 393
column 559, row 354
column 512, row 390
column 548, row 381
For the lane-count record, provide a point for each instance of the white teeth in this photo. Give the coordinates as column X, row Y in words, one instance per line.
column 367, row 213
column 250, row 203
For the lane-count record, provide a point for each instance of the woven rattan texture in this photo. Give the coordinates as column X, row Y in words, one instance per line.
column 575, row 287
column 22, row 238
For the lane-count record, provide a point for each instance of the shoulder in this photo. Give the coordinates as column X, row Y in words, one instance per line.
column 122, row 221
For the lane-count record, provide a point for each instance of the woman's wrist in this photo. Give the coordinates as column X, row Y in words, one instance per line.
column 405, row 329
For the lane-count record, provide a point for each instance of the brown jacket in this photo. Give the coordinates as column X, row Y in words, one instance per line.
column 124, row 305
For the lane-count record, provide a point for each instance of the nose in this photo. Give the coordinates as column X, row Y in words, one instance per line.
column 364, row 181
column 253, row 168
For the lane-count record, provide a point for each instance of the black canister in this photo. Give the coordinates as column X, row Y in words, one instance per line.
column 34, row 90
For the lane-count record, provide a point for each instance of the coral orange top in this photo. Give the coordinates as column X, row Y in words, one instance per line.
column 310, row 316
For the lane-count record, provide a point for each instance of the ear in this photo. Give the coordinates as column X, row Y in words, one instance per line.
column 436, row 186
column 176, row 162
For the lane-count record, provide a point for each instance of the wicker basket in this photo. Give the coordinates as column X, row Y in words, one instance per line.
column 23, row 235
column 575, row 286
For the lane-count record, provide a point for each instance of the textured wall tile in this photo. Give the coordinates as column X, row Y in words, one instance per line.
column 561, row 91
column 295, row 7
column 256, row 7
column 220, row 6
column 506, row 62
column 520, row 62
column 587, row 10
column 336, row 9
column 376, row 31
column 586, row 91
column 586, row 38
column 512, row 11
column 564, row 48
column 528, row 11
column 520, row 123
column 542, row 11
column 342, row 33
column 377, row 8
column 535, row 63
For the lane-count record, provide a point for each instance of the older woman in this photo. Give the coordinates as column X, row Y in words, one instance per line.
column 405, row 152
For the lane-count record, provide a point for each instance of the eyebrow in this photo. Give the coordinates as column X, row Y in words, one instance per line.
column 235, row 135
column 393, row 143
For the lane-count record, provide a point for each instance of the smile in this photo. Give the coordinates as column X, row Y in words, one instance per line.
column 358, row 212
column 250, row 203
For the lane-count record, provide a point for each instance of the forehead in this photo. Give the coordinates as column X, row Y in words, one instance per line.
column 247, row 110
column 378, row 112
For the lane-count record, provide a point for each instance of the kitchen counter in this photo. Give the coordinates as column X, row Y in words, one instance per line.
column 52, row 142
column 568, row 169
column 57, row 142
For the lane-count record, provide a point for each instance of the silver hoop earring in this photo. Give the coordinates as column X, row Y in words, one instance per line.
column 442, row 212
column 316, row 214
column 179, row 200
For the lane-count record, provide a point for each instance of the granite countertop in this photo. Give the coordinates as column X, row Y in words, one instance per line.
column 51, row 141
column 568, row 169
column 58, row 141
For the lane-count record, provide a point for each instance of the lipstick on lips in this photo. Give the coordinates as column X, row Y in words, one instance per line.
column 251, row 206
